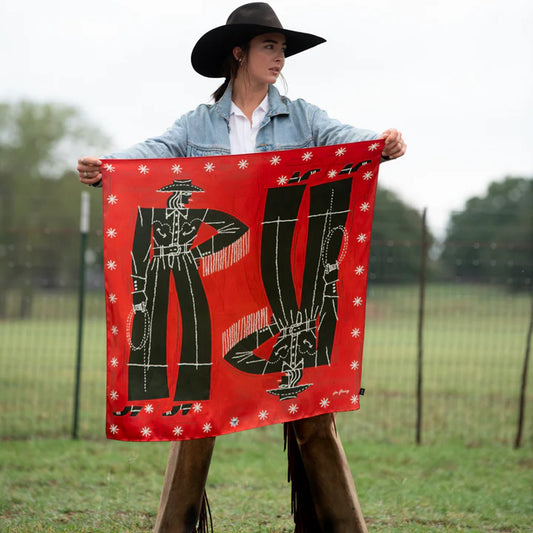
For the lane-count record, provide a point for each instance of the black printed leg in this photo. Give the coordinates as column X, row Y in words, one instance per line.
column 132, row 410
column 184, row 408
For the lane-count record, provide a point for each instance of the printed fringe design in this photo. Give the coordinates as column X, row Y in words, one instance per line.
column 205, row 520
column 302, row 506
column 243, row 327
column 227, row 256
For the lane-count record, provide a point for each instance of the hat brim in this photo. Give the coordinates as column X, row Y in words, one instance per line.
column 211, row 50
column 179, row 187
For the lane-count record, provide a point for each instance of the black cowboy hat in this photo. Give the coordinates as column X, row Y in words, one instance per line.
column 245, row 23
column 180, row 185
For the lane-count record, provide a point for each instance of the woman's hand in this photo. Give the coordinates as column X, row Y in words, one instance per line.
column 89, row 170
column 394, row 144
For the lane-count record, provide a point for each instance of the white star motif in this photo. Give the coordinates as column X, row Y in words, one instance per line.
column 113, row 429
column 146, row 431
column 114, row 362
column 360, row 270
column 113, row 395
column 355, row 333
column 282, row 180
column 367, row 175
column 355, row 399
column 293, row 409
column 365, row 206
column 178, row 431
column 209, row 167
column 207, row 427
column 234, row 422
column 143, row 169
column 263, row 415
column 373, row 146
column 114, row 330
column 361, row 237
column 275, row 160
column 357, row 301
column 324, row 402
column 109, row 167
column 242, row 164
column 307, row 156
column 354, row 365
column 112, row 199
column 111, row 265
column 112, row 298
column 111, row 232
column 149, row 408
column 332, row 174
column 177, row 169
column 197, row 407
column 340, row 151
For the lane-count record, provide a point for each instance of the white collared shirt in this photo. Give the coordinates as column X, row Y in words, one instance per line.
column 242, row 134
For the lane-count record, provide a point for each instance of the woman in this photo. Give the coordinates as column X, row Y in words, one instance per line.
column 249, row 115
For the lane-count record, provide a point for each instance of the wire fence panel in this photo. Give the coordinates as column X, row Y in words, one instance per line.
column 473, row 344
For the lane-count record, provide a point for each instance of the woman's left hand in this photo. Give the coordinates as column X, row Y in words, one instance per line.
column 394, row 145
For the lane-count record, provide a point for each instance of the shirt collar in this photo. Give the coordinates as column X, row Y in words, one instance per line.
column 263, row 107
column 276, row 104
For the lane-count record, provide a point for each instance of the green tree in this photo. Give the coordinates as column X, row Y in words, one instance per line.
column 491, row 239
column 39, row 196
column 396, row 240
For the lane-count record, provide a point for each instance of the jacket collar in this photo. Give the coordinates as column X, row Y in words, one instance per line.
column 277, row 105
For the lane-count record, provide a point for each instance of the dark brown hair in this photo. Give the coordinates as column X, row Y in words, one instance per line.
column 230, row 67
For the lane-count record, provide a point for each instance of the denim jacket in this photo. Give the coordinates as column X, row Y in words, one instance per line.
column 288, row 124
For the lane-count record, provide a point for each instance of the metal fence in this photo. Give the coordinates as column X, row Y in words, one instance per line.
column 445, row 355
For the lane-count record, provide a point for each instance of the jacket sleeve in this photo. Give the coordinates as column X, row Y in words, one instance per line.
column 172, row 143
column 328, row 131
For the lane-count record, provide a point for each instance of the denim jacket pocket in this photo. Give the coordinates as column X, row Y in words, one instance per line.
column 195, row 150
column 286, row 144
column 302, row 143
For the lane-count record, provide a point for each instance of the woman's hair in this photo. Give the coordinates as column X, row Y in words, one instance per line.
column 230, row 67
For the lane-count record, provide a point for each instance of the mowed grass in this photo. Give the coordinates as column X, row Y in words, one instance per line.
column 474, row 342
column 99, row 486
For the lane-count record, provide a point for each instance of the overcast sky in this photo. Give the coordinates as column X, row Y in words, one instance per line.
column 455, row 76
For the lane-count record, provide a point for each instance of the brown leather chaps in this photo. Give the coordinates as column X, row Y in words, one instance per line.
column 324, row 470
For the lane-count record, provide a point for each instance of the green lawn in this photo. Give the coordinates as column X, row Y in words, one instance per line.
column 99, row 486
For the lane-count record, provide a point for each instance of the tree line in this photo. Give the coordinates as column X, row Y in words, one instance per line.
column 490, row 240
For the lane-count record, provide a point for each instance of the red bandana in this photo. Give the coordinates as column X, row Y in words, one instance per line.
column 235, row 288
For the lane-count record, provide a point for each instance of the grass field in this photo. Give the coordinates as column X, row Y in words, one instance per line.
column 474, row 346
column 112, row 487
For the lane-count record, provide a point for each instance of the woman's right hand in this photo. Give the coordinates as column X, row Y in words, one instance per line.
column 89, row 170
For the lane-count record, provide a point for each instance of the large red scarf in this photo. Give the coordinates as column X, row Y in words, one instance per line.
column 235, row 288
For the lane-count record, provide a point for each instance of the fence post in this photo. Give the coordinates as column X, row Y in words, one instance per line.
column 421, row 302
column 522, row 405
column 84, row 230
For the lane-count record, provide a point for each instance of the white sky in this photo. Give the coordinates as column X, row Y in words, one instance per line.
column 455, row 76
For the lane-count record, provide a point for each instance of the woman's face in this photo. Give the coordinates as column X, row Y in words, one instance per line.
column 266, row 58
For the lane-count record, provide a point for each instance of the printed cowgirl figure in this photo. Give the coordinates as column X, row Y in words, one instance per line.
column 305, row 323
column 163, row 248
